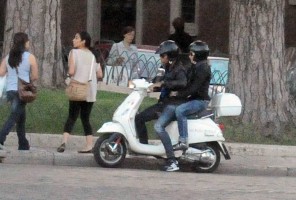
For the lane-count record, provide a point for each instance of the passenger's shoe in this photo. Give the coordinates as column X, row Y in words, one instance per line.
column 61, row 148
column 180, row 146
column 171, row 165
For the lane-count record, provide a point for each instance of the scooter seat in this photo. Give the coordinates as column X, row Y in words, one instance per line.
column 202, row 114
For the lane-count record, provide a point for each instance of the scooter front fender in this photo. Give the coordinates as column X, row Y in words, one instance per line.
column 112, row 127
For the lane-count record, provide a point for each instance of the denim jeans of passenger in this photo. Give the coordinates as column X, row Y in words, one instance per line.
column 17, row 116
column 185, row 109
column 165, row 118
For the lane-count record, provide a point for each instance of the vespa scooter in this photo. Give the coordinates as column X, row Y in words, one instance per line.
column 119, row 137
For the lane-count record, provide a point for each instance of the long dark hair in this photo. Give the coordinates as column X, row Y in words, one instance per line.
column 85, row 36
column 18, row 48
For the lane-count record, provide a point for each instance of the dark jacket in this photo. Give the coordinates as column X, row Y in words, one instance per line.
column 199, row 77
column 175, row 79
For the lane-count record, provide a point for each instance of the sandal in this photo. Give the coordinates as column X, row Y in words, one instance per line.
column 86, row 151
column 61, row 148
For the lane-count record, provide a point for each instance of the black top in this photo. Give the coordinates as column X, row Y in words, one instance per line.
column 199, row 77
column 175, row 79
column 182, row 39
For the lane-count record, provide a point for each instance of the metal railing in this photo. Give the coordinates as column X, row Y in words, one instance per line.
column 143, row 64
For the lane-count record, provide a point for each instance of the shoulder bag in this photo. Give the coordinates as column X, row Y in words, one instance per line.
column 27, row 91
column 2, row 89
column 77, row 91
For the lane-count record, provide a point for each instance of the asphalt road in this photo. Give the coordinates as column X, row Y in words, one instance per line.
column 63, row 182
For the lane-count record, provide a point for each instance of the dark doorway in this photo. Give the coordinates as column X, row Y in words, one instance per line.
column 117, row 14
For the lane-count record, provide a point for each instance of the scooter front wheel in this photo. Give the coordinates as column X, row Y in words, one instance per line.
column 109, row 154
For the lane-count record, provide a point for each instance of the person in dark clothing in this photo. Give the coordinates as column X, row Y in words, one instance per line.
column 195, row 95
column 182, row 39
column 174, row 77
column 175, row 81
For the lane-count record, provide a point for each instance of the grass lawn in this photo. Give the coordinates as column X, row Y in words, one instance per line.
column 49, row 112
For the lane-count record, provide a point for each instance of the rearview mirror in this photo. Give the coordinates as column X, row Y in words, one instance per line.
column 159, row 75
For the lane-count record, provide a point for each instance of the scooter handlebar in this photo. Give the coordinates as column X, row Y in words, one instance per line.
column 140, row 83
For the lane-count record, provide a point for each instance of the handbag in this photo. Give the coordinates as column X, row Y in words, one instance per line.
column 77, row 91
column 27, row 91
column 2, row 89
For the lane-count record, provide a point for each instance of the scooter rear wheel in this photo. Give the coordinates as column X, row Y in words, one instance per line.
column 104, row 156
column 212, row 165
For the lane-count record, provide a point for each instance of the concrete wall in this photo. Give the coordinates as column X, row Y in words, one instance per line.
column 73, row 20
column 2, row 18
column 214, row 25
column 156, row 21
column 290, row 27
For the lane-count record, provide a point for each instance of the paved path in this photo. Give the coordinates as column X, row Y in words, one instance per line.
column 37, row 182
column 248, row 159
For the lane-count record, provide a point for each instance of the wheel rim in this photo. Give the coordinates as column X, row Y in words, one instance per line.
column 213, row 159
column 108, row 156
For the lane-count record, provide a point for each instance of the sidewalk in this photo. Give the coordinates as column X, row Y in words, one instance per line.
column 246, row 159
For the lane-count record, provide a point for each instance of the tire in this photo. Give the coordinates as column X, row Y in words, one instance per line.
column 210, row 166
column 106, row 158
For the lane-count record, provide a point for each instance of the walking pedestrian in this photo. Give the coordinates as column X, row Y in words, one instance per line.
column 80, row 61
column 21, row 60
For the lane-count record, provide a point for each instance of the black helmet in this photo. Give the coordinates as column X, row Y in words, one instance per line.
column 170, row 48
column 200, row 49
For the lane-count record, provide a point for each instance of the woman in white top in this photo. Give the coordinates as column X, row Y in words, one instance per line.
column 125, row 53
column 80, row 62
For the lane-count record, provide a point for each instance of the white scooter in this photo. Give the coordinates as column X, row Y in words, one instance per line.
column 205, row 136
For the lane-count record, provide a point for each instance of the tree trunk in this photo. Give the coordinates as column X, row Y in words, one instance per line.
column 258, row 73
column 40, row 19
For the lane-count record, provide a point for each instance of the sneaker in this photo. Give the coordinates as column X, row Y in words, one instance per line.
column 180, row 146
column 171, row 166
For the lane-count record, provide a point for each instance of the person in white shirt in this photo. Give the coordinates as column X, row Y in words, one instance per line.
column 124, row 53
column 80, row 61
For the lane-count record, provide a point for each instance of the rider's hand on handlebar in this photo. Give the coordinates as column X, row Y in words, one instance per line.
column 156, row 86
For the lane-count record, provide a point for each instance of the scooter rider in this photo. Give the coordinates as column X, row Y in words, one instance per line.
column 174, row 79
column 195, row 95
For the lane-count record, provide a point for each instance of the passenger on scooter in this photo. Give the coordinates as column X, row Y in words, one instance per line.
column 192, row 99
column 174, row 79
column 195, row 95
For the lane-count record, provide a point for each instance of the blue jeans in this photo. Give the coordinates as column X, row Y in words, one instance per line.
column 185, row 109
column 18, row 117
column 165, row 118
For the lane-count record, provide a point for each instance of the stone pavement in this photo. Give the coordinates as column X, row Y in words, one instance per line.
column 246, row 159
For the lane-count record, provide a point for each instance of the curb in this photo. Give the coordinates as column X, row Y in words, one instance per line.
column 246, row 159
column 76, row 142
